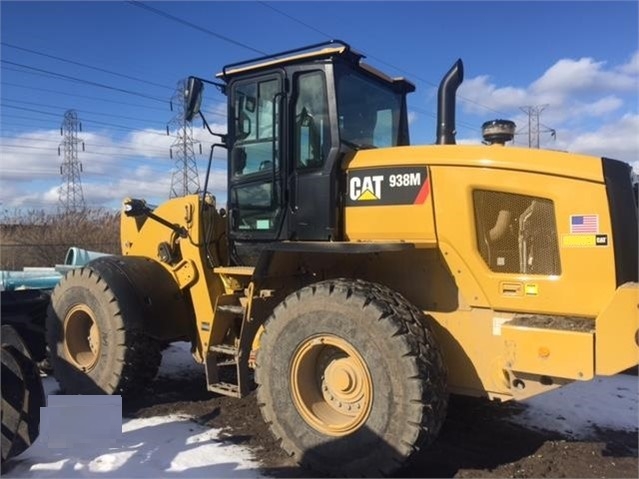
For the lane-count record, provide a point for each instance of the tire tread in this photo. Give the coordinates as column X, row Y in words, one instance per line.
column 407, row 328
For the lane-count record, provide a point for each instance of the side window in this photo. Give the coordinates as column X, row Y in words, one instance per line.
column 369, row 113
column 256, row 117
column 383, row 134
column 516, row 233
column 312, row 132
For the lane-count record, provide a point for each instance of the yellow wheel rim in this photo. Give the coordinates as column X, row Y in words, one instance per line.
column 82, row 338
column 331, row 385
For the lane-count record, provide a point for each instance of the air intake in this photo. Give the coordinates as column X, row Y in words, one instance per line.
column 498, row 132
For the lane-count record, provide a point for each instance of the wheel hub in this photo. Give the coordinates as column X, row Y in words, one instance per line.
column 82, row 338
column 331, row 385
column 343, row 385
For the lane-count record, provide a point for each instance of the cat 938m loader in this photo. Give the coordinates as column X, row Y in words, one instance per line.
column 354, row 279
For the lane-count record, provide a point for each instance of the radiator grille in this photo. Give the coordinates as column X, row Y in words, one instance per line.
column 516, row 233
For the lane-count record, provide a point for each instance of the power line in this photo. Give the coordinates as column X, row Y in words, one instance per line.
column 104, row 70
column 81, row 80
column 193, row 25
column 52, row 171
column 158, row 152
column 113, row 125
column 45, row 140
column 413, row 75
column 138, row 105
column 463, row 124
column 44, row 105
column 296, row 20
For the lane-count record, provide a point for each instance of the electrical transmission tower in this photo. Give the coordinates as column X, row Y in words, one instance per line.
column 534, row 127
column 70, row 192
column 184, row 179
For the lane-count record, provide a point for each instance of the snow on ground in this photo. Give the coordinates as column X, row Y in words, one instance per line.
column 579, row 409
column 172, row 446
column 157, row 447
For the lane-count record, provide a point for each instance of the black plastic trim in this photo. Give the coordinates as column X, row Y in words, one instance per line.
column 623, row 217
column 338, row 247
column 309, row 247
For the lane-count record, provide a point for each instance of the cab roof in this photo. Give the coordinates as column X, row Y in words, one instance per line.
column 311, row 52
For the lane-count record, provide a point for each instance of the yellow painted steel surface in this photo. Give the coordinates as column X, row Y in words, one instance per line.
column 617, row 329
column 473, row 352
column 554, row 163
column 549, row 352
column 587, row 278
column 479, row 346
column 471, row 321
column 141, row 238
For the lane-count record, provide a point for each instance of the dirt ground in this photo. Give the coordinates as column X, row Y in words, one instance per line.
column 476, row 440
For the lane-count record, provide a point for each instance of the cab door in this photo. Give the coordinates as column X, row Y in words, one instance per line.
column 313, row 169
column 255, row 158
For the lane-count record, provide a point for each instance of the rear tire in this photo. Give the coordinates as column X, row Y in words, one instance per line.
column 96, row 339
column 350, row 378
column 22, row 396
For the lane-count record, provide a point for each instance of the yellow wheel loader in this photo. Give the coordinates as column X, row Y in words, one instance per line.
column 357, row 280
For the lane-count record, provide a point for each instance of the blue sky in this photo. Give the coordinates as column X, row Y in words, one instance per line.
column 579, row 58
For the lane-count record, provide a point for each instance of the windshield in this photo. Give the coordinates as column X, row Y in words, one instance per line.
column 369, row 113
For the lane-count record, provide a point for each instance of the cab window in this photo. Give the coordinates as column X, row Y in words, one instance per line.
column 312, row 132
column 255, row 121
column 369, row 113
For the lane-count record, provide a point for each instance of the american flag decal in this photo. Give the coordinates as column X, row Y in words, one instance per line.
column 584, row 223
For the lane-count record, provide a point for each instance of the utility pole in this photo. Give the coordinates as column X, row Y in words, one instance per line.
column 184, row 178
column 534, row 126
column 70, row 192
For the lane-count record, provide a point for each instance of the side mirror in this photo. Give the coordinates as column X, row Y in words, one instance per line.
column 133, row 207
column 193, row 97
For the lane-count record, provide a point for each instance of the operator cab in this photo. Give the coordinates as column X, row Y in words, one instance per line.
column 292, row 118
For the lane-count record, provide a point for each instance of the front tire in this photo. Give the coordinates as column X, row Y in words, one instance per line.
column 96, row 339
column 350, row 379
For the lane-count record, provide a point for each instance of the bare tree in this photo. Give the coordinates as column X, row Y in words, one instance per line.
column 37, row 238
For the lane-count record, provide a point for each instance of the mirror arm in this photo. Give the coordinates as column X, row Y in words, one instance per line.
column 206, row 124
column 220, row 86
column 208, row 167
column 136, row 208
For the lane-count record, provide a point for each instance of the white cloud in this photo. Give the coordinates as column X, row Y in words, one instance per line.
column 598, row 108
column 592, row 106
column 568, row 76
column 619, row 140
column 566, row 84
column 112, row 168
column 632, row 67
column 475, row 94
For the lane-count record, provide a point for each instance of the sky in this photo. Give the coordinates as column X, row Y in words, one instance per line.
column 117, row 65
column 175, row 446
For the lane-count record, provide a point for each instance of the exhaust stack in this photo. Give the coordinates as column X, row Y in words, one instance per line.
column 446, row 104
